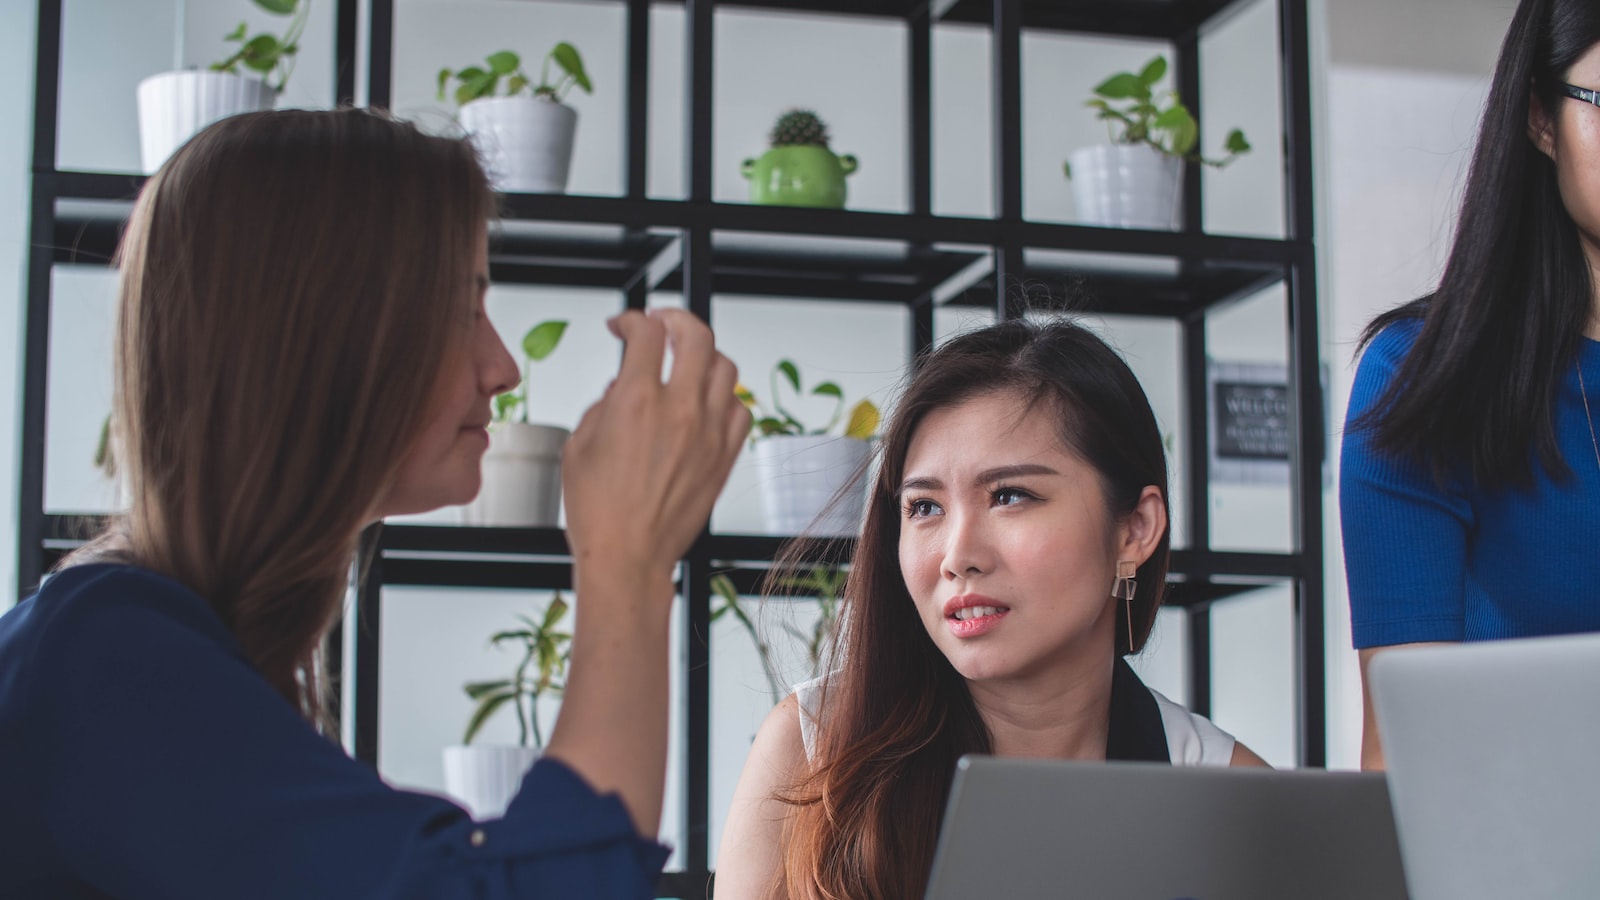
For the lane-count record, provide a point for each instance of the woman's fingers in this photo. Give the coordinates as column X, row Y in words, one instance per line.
column 644, row 345
column 693, row 349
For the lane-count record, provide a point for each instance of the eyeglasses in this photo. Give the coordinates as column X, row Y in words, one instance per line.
column 1583, row 94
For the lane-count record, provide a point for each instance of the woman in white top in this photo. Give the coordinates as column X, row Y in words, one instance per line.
column 1015, row 548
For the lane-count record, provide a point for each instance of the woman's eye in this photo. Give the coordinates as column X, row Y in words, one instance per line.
column 919, row 509
column 1009, row 496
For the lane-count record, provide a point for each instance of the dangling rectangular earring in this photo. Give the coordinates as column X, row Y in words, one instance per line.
column 1123, row 589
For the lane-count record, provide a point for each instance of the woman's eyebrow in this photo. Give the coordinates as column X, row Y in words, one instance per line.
column 1001, row 473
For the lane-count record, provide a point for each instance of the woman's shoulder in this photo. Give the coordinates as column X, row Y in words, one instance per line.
column 1193, row 739
column 1390, row 346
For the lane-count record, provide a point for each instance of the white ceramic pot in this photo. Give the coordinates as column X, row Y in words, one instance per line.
column 526, row 142
column 485, row 778
column 1127, row 186
column 800, row 476
column 521, row 477
column 175, row 105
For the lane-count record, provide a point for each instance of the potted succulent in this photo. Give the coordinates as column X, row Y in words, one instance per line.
column 485, row 777
column 802, row 470
column 799, row 170
column 522, row 467
column 526, row 133
column 175, row 105
column 1135, row 181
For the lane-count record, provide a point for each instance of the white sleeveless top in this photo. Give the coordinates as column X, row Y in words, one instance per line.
column 1192, row 740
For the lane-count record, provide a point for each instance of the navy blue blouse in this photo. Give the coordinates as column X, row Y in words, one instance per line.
column 142, row 756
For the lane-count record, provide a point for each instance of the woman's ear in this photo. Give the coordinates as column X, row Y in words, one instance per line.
column 1541, row 127
column 1142, row 529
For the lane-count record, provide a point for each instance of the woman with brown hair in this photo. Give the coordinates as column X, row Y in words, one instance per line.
column 302, row 350
column 1014, row 550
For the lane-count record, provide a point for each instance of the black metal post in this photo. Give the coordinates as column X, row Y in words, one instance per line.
column 1200, row 659
column 1186, row 65
column 919, row 82
column 380, row 54
column 1305, row 384
column 368, row 624
column 698, row 33
column 345, row 39
column 1197, row 478
column 1007, row 53
column 637, row 123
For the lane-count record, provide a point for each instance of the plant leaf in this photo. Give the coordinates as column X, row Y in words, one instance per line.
column 864, row 419
column 566, row 56
column 504, row 404
column 444, row 79
column 542, row 339
column 515, row 84
column 504, row 63
column 554, row 612
column 1122, row 86
column 827, row 389
column 486, row 708
column 744, row 395
column 1153, row 70
column 1174, row 118
column 279, row 7
column 1236, row 142
column 1184, row 136
column 477, row 690
column 501, row 637
column 238, row 33
column 770, row 426
column 791, row 373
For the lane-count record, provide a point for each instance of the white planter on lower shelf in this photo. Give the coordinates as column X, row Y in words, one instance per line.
column 801, row 474
column 1127, row 186
column 526, row 142
column 521, row 477
column 484, row 778
column 173, row 106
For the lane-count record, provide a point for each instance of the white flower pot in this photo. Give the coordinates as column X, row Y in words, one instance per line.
column 799, row 477
column 526, row 142
column 521, row 477
column 175, row 105
column 485, row 778
column 1127, row 186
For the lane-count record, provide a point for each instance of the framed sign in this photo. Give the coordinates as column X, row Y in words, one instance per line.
column 1248, row 409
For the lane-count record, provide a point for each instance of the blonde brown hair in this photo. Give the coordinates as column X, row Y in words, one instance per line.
column 292, row 284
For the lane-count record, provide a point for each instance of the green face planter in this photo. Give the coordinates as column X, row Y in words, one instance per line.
column 799, row 170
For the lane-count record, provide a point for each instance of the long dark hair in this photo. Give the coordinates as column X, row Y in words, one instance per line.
column 897, row 715
column 292, row 284
column 1477, row 389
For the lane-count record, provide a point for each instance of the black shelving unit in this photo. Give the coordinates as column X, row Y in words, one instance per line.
column 699, row 247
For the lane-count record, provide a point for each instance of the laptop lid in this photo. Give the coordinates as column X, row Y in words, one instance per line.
column 1493, row 766
column 1033, row 829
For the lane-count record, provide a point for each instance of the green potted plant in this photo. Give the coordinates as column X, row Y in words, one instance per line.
column 1136, row 180
column 799, row 170
column 485, row 777
column 174, row 105
column 525, row 133
column 522, row 467
column 823, row 583
column 802, row 470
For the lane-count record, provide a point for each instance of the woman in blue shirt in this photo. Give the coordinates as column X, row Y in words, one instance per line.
column 1470, row 477
column 301, row 351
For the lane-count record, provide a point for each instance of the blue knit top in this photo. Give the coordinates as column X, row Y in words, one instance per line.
column 142, row 756
column 1454, row 562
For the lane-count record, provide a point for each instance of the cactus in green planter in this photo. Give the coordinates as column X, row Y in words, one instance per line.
column 798, row 128
column 799, row 170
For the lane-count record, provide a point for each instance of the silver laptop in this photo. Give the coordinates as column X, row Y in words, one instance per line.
column 1493, row 752
column 1031, row 829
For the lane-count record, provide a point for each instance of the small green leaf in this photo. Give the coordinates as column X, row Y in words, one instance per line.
column 1122, row 86
column 515, row 85
column 566, row 56
column 769, row 426
column 1153, row 70
column 471, row 72
column 864, row 419
column 504, row 63
column 790, row 372
column 827, row 389
column 554, row 612
column 1236, row 142
column 1066, row 169
column 541, row 339
column 1176, row 117
column 744, row 395
column 278, row 7
column 1184, row 137
column 477, row 690
column 237, row 34
column 444, row 79
column 486, row 708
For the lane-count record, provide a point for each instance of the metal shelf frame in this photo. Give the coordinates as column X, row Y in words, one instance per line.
column 700, row 247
